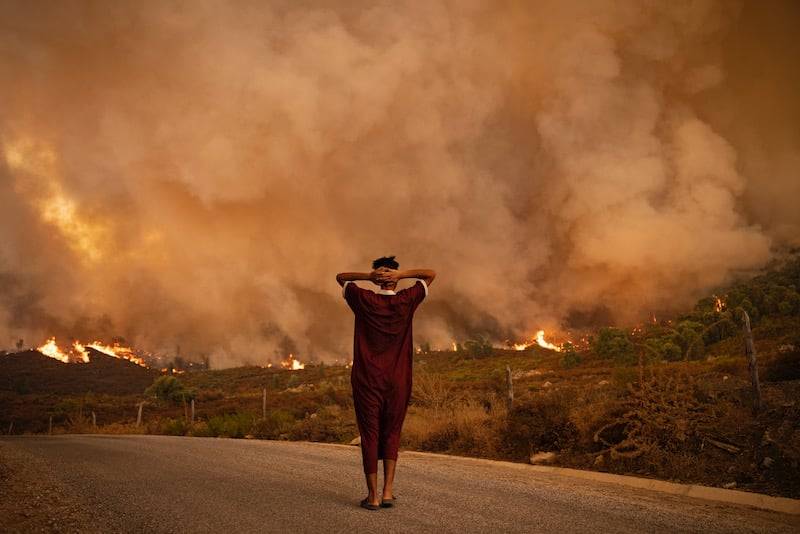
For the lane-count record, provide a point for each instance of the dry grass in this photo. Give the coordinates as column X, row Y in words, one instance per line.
column 466, row 426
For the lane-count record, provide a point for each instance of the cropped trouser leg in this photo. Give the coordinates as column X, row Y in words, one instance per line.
column 380, row 420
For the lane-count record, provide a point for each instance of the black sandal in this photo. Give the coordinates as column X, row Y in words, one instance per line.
column 366, row 504
column 388, row 503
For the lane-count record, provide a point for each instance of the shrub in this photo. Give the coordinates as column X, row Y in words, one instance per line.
column 276, row 425
column 330, row 424
column 571, row 358
column 236, row 425
column 478, row 347
column 169, row 388
column 542, row 424
column 613, row 343
column 173, row 427
column 432, row 390
column 690, row 338
column 466, row 427
column 784, row 367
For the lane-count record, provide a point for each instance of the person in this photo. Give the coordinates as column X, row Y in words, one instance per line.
column 382, row 365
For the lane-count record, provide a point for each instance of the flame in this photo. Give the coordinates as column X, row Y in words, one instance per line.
column 79, row 352
column 80, row 349
column 118, row 351
column 539, row 340
column 50, row 348
column 455, row 346
column 545, row 344
column 719, row 304
column 292, row 363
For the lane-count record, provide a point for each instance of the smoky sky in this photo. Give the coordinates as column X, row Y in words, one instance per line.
column 194, row 174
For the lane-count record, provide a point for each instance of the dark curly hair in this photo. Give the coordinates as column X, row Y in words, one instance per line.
column 386, row 261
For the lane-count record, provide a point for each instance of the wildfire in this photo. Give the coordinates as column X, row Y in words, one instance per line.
column 292, row 363
column 539, row 340
column 79, row 353
column 719, row 304
column 118, row 351
column 50, row 348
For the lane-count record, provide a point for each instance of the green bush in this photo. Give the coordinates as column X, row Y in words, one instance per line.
column 174, row 427
column 169, row 388
column 478, row 347
column 276, row 425
column 613, row 344
column 571, row 358
column 236, row 425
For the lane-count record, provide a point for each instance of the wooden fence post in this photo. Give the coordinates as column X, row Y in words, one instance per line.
column 264, row 403
column 192, row 420
column 139, row 415
column 752, row 364
column 50, row 427
column 10, row 427
column 94, row 419
column 510, row 387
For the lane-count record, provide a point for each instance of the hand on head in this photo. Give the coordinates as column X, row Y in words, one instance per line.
column 384, row 275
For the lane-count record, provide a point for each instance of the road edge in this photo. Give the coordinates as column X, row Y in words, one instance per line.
column 756, row 500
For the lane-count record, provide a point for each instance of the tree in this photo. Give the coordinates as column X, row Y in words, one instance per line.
column 169, row 388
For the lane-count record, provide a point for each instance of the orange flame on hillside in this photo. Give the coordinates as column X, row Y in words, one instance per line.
column 292, row 363
column 79, row 352
column 719, row 304
column 539, row 340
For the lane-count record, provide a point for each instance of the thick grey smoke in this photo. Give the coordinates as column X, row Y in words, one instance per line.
column 195, row 173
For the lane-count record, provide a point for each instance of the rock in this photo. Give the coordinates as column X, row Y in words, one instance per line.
column 356, row 440
column 249, row 436
column 724, row 378
column 543, row 457
column 600, row 460
column 767, row 462
column 729, row 485
column 602, row 383
column 313, row 416
column 547, row 384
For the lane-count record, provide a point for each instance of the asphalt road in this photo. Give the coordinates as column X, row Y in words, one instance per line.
column 170, row 484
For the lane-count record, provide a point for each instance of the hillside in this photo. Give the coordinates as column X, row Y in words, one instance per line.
column 670, row 399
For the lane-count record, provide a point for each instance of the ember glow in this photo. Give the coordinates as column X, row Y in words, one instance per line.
column 719, row 304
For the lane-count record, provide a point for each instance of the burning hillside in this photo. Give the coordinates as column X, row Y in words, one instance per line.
column 570, row 164
column 34, row 372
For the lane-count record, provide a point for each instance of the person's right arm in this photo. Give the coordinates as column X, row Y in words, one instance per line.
column 355, row 277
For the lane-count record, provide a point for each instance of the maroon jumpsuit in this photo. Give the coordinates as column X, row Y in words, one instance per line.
column 382, row 360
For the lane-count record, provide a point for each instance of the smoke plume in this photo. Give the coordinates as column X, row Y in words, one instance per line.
column 194, row 174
